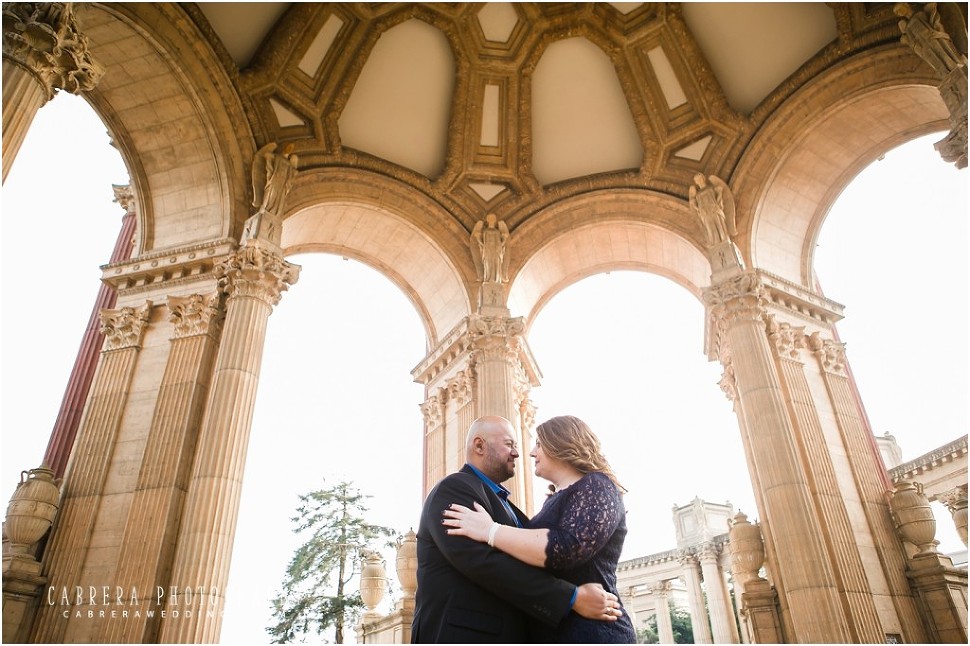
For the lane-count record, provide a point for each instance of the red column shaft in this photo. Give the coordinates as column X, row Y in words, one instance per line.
column 76, row 394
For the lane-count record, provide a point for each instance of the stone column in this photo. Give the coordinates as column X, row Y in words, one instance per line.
column 67, row 549
column 717, row 599
column 956, row 501
column 700, row 624
column 665, row 626
column 43, row 51
column 482, row 367
column 816, row 610
column 864, row 461
column 148, row 544
column 72, row 405
column 787, row 343
column 253, row 279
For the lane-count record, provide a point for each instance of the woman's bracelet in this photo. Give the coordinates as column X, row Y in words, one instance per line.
column 492, row 531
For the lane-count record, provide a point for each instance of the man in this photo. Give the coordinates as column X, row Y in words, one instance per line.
column 471, row 593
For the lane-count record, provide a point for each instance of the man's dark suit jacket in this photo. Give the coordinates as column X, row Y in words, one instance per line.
column 469, row 592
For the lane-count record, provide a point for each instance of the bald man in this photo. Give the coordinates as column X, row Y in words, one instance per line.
column 469, row 592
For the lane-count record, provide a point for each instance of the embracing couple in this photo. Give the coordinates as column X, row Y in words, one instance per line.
column 487, row 573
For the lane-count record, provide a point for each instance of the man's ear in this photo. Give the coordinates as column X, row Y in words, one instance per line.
column 479, row 444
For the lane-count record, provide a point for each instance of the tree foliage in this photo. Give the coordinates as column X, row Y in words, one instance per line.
column 315, row 595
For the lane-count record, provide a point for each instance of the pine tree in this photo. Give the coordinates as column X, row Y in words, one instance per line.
column 314, row 596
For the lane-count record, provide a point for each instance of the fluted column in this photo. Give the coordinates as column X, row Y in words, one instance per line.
column 700, row 625
column 148, row 544
column 863, row 461
column 79, row 384
column 253, row 280
column 665, row 626
column 717, row 600
column 64, row 557
column 787, row 342
column 482, row 367
column 737, row 307
column 43, row 51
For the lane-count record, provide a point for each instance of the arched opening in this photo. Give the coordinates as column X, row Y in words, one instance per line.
column 623, row 351
column 59, row 225
column 893, row 250
column 335, row 401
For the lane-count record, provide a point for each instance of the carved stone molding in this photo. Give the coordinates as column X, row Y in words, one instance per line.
column 44, row 39
column 167, row 269
column 124, row 327
column 194, row 315
column 257, row 273
column 433, row 412
column 124, row 197
column 831, row 354
column 729, row 382
column 527, row 414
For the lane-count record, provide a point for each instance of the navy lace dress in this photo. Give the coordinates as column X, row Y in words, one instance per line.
column 587, row 525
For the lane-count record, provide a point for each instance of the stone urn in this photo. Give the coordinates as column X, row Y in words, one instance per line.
column 407, row 564
column 373, row 581
column 914, row 517
column 747, row 548
column 31, row 510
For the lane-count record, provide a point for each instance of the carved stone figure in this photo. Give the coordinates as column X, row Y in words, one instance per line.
column 923, row 31
column 273, row 175
column 711, row 199
column 489, row 246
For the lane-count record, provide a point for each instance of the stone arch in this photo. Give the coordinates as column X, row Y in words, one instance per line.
column 176, row 121
column 371, row 218
column 796, row 168
column 598, row 232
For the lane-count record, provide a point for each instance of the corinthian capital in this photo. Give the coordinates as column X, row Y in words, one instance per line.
column 193, row 315
column 742, row 298
column 43, row 38
column 256, row 272
column 496, row 336
column 785, row 338
column 124, row 327
column 831, row 354
column 433, row 411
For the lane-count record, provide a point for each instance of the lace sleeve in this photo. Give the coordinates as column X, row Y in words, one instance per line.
column 588, row 520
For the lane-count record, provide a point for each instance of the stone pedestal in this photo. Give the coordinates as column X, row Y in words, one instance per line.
column 23, row 590
column 942, row 591
column 759, row 607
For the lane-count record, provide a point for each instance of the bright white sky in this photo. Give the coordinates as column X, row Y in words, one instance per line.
column 624, row 351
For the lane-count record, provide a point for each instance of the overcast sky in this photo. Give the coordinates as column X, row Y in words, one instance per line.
column 623, row 350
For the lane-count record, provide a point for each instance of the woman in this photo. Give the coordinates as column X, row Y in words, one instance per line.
column 578, row 535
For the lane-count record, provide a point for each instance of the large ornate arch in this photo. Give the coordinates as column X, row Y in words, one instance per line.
column 600, row 231
column 795, row 168
column 379, row 221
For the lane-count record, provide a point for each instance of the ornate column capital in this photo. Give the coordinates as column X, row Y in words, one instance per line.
column 831, row 354
column 257, row 273
column 43, row 38
column 495, row 334
column 194, row 315
column 708, row 552
column 728, row 381
column 124, row 327
column 954, row 499
column 433, row 410
column 660, row 588
column 124, row 197
column 461, row 387
column 785, row 338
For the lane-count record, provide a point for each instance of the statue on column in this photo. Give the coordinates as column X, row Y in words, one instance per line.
column 924, row 32
column 489, row 242
column 273, row 175
column 713, row 203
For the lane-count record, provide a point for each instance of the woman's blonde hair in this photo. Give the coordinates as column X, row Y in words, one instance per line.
column 569, row 439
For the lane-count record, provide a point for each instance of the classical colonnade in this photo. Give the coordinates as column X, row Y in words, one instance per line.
column 166, row 424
